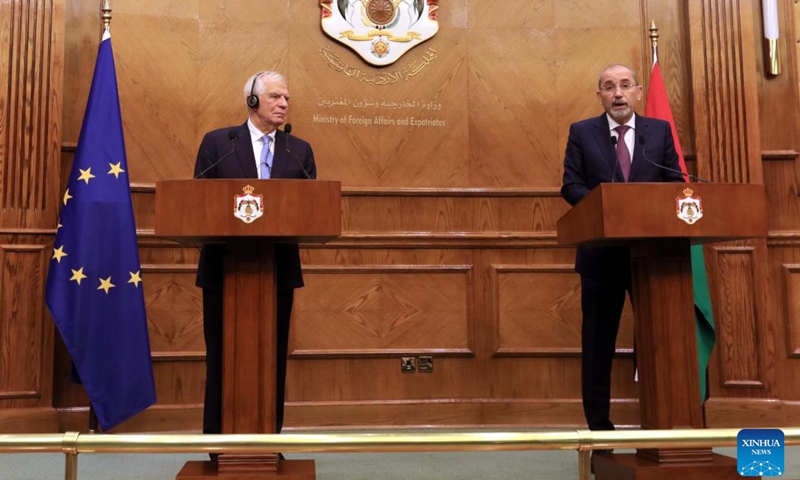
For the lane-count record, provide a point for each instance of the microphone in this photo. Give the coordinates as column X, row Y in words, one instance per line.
column 644, row 155
column 232, row 136
column 616, row 163
column 287, row 129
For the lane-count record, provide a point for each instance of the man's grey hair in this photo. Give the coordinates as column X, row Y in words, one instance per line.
column 262, row 77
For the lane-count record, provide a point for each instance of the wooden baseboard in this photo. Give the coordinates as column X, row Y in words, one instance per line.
column 29, row 420
column 170, row 418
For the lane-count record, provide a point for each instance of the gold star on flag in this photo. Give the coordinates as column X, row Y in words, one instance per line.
column 135, row 278
column 106, row 285
column 59, row 225
column 116, row 169
column 67, row 196
column 77, row 275
column 58, row 253
column 86, row 175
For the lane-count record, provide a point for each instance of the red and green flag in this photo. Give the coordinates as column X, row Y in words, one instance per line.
column 658, row 107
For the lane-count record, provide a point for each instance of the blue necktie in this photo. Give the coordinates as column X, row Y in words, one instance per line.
column 265, row 164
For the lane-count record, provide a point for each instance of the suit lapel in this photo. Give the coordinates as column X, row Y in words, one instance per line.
column 636, row 159
column 244, row 152
column 281, row 155
column 602, row 136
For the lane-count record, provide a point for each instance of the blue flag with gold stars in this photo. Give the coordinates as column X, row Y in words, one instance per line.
column 94, row 284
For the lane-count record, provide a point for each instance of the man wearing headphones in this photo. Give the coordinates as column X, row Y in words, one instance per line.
column 254, row 149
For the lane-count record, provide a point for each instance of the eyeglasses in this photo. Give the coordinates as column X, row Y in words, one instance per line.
column 611, row 87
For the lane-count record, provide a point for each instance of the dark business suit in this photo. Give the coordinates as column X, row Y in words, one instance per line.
column 210, row 271
column 590, row 160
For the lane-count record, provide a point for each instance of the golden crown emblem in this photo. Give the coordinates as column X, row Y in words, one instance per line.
column 688, row 192
column 248, row 189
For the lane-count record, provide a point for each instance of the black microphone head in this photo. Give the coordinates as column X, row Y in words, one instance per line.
column 232, row 134
column 614, row 141
column 641, row 139
column 287, row 128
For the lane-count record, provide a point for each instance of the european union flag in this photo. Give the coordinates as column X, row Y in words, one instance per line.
column 94, row 284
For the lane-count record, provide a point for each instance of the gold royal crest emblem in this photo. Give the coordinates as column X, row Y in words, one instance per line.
column 689, row 207
column 248, row 207
column 380, row 31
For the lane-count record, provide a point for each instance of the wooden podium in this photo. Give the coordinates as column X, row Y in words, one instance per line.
column 269, row 212
column 645, row 217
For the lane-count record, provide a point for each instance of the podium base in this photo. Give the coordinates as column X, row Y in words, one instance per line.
column 632, row 467
column 289, row 470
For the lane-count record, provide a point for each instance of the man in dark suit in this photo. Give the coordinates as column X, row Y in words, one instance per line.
column 259, row 150
column 594, row 156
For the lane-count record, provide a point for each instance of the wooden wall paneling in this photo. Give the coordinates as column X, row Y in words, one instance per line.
column 469, row 215
column 405, row 308
column 777, row 117
column 728, row 149
column 26, row 338
column 784, row 255
column 536, row 310
column 480, row 192
column 741, row 358
column 727, row 139
column 791, row 278
column 158, row 53
column 83, row 33
column 383, row 311
column 536, row 338
column 32, row 67
column 31, row 63
column 174, row 310
column 25, row 332
column 410, row 132
column 504, row 95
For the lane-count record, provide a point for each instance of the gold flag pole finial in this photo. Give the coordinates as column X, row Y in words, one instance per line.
column 106, row 16
column 654, row 40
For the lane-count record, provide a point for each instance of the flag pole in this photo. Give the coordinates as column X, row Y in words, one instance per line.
column 654, row 41
column 106, row 17
column 93, row 426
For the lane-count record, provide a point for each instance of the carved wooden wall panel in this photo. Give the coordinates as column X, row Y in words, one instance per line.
column 727, row 141
column 31, row 69
column 538, row 311
column 737, row 334
column 24, row 333
column 382, row 311
column 31, row 66
column 791, row 279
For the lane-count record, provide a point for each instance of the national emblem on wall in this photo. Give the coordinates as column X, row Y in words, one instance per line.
column 380, row 31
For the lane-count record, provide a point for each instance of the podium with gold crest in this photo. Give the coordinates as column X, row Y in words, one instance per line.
column 660, row 222
column 250, row 216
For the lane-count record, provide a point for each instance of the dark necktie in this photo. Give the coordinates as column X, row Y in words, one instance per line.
column 623, row 155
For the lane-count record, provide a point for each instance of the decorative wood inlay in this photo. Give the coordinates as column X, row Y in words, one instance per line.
column 366, row 310
column 537, row 311
column 174, row 311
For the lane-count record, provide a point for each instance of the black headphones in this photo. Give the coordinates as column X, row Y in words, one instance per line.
column 252, row 99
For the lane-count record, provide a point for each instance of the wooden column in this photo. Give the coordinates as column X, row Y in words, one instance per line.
column 31, row 71
column 724, row 41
